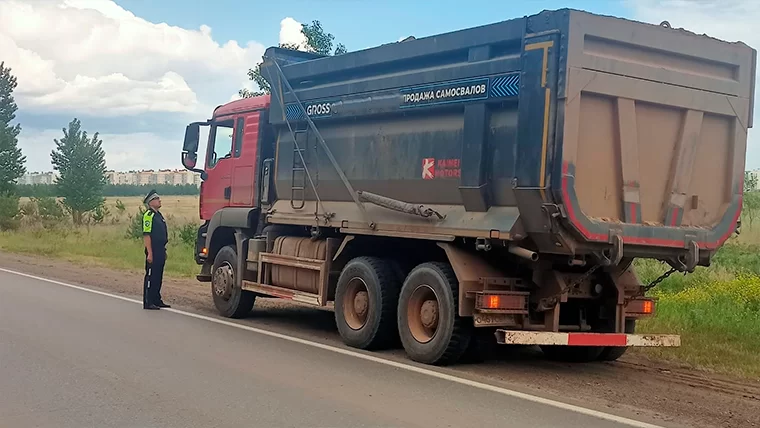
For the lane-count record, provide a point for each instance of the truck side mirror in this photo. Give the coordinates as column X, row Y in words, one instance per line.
column 192, row 135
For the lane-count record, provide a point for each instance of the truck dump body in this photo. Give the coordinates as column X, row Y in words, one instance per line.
column 575, row 130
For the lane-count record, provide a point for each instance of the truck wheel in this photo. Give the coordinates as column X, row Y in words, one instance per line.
column 572, row 354
column 612, row 353
column 429, row 324
column 366, row 298
column 229, row 299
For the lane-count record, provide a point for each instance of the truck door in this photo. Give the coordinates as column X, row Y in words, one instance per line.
column 244, row 155
column 253, row 144
column 216, row 189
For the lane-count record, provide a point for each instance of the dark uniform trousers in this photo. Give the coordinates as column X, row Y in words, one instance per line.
column 154, row 274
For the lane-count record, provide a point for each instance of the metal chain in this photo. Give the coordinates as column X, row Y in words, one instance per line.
column 548, row 302
column 657, row 281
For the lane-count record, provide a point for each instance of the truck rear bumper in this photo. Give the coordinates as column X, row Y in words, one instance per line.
column 512, row 337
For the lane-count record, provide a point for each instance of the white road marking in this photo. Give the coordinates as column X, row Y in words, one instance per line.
column 395, row 364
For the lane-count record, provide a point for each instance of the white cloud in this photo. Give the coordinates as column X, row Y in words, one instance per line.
column 290, row 33
column 730, row 20
column 170, row 93
column 86, row 56
column 135, row 81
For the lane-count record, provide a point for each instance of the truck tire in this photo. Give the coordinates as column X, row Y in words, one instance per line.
column 572, row 354
column 366, row 299
column 612, row 353
column 429, row 325
column 230, row 300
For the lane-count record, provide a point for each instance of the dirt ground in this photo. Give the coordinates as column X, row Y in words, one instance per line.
column 633, row 385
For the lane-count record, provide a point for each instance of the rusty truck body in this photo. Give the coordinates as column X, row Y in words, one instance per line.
column 498, row 179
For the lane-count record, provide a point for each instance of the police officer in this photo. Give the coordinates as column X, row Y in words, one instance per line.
column 155, row 237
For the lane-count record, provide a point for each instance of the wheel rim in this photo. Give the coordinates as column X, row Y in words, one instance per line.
column 422, row 313
column 223, row 280
column 356, row 304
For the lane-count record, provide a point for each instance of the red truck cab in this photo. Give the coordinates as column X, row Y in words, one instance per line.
column 238, row 141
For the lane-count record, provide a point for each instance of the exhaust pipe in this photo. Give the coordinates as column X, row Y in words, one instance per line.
column 523, row 252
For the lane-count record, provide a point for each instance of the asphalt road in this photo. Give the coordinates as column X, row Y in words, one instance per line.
column 70, row 358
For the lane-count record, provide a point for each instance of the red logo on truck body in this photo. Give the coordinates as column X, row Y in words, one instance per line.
column 428, row 168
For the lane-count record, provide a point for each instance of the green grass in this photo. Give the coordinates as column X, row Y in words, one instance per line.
column 717, row 314
column 107, row 244
column 101, row 245
column 716, row 310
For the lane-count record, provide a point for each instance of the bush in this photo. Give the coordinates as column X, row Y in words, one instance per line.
column 100, row 213
column 135, row 228
column 185, row 233
column 49, row 208
column 188, row 233
column 120, row 207
column 50, row 212
column 28, row 209
column 43, row 211
column 9, row 213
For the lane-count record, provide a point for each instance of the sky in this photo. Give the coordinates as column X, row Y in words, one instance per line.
column 137, row 71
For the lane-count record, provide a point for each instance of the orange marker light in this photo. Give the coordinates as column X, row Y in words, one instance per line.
column 493, row 302
column 641, row 307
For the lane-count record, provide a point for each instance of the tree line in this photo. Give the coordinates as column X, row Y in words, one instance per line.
column 110, row 190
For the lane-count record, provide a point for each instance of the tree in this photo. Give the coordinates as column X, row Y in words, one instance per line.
column 750, row 181
column 81, row 163
column 751, row 205
column 11, row 159
column 317, row 41
column 751, row 200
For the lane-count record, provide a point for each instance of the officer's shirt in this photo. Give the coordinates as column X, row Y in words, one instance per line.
column 155, row 226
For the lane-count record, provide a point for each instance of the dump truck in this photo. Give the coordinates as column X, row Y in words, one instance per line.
column 489, row 184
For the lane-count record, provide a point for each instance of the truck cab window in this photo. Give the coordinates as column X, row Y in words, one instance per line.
column 221, row 135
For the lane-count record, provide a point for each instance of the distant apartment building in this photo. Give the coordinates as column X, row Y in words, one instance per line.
column 38, row 178
column 139, row 178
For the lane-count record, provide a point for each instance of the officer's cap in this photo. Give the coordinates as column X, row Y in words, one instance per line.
column 151, row 196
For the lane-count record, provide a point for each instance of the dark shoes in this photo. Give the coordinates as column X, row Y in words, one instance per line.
column 158, row 305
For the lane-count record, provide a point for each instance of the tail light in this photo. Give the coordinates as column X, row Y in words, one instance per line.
column 503, row 302
column 642, row 307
